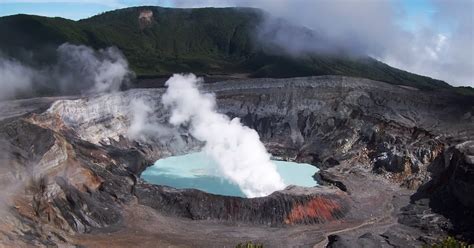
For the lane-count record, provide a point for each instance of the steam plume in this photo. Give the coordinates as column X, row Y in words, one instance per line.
column 15, row 78
column 145, row 127
column 237, row 149
column 140, row 127
column 79, row 69
column 98, row 71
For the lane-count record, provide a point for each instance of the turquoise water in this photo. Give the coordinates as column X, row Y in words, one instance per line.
column 196, row 170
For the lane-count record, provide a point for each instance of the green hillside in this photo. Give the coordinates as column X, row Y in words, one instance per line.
column 203, row 41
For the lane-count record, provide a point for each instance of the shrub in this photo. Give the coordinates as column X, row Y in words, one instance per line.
column 451, row 242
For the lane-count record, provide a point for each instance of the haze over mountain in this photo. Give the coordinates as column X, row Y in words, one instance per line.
column 86, row 109
column 434, row 38
column 427, row 37
column 160, row 41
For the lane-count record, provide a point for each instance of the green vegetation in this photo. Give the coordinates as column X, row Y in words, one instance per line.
column 202, row 41
column 451, row 242
column 465, row 90
column 249, row 245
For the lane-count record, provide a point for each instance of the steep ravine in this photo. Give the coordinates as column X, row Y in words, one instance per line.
column 387, row 154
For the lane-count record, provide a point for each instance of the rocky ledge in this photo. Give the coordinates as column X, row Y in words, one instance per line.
column 396, row 166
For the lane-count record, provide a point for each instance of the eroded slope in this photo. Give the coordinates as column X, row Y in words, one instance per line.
column 376, row 143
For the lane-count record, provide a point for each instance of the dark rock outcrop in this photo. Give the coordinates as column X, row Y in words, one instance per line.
column 288, row 207
column 448, row 193
column 79, row 169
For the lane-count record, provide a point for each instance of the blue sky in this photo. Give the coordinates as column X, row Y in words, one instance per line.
column 415, row 12
column 71, row 9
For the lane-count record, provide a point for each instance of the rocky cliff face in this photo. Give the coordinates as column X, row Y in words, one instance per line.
column 79, row 166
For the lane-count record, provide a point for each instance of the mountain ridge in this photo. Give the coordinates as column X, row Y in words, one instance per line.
column 208, row 41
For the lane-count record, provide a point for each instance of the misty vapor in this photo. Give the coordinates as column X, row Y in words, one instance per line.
column 237, row 149
column 78, row 70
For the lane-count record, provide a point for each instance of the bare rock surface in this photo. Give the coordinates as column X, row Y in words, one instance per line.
column 397, row 169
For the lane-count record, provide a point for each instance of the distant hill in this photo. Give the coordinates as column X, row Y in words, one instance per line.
column 161, row 41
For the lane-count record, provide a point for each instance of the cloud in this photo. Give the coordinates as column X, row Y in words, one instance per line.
column 373, row 28
column 240, row 155
column 439, row 44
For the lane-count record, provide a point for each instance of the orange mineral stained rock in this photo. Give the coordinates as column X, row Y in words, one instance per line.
column 318, row 208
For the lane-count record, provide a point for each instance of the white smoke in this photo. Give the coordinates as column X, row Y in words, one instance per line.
column 237, row 149
column 145, row 127
column 140, row 127
column 98, row 71
column 79, row 69
column 15, row 78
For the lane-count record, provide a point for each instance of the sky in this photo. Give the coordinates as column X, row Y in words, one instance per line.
column 428, row 37
column 416, row 10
